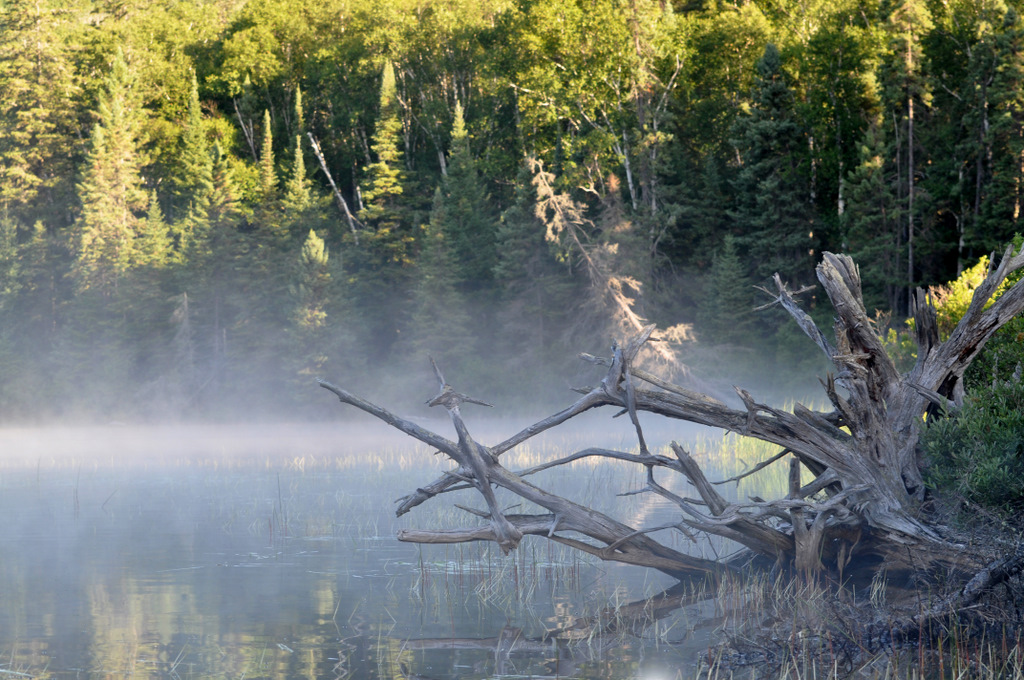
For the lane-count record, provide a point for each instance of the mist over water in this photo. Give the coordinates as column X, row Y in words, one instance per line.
column 270, row 551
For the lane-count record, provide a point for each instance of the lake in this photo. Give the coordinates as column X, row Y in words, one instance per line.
column 269, row 551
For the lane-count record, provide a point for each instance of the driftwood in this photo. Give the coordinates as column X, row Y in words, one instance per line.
column 864, row 500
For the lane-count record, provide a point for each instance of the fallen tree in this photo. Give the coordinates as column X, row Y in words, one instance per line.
column 865, row 499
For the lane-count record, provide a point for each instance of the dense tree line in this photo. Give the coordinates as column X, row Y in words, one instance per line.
column 203, row 204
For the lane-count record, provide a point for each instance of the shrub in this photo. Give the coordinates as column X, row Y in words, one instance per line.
column 979, row 453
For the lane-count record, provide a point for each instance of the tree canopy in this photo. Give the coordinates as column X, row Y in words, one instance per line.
column 168, row 228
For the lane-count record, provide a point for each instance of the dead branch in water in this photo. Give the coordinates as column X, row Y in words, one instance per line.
column 865, row 496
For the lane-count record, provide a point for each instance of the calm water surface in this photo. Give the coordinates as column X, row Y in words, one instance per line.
column 270, row 551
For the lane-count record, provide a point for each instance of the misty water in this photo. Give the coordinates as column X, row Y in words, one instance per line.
column 270, row 551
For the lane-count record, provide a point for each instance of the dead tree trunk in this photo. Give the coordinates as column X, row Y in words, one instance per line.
column 867, row 487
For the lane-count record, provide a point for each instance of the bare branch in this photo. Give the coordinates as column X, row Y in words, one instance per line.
column 757, row 468
column 410, row 428
column 342, row 203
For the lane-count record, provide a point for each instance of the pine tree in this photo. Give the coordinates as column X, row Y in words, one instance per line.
column 268, row 176
column 774, row 214
column 724, row 316
column 194, row 170
column 382, row 196
column 440, row 323
column 38, row 126
column 1002, row 211
column 311, row 294
column 906, row 95
column 468, row 225
column 870, row 223
column 297, row 194
column 111, row 189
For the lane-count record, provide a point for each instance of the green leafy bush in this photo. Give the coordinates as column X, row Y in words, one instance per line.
column 979, row 453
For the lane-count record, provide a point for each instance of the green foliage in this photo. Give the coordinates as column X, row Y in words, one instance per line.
column 268, row 175
column 467, row 222
column 773, row 213
column 725, row 315
column 111, row 191
column 872, row 232
column 951, row 301
column 38, row 121
column 440, row 326
column 979, row 453
column 297, row 192
column 311, row 293
column 194, row 168
column 147, row 207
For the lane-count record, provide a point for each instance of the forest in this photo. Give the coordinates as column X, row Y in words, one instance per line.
column 205, row 204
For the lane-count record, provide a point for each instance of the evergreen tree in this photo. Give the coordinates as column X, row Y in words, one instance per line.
column 382, row 262
column 468, row 224
column 268, row 176
column 297, row 194
column 154, row 240
column 382, row 196
column 222, row 205
column 38, row 126
column 725, row 312
column 311, row 294
column 194, row 169
column 1001, row 216
column 300, row 117
column 533, row 286
column 906, row 96
column 871, row 226
column 111, row 189
column 774, row 214
column 440, row 324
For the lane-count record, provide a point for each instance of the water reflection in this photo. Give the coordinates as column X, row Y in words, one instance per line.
column 195, row 552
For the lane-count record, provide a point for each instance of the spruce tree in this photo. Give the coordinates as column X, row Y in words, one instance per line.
column 111, row 192
column 469, row 226
column 297, row 195
column 194, row 169
column 440, row 323
column 773, row 215
column 300, row 116
column 725, row 311
column 38, row 121
column 154, row 241
column 311, row 295
column 870, row 223
column 382, row 196
column 382, row 261
column 534, row 287
column 268, row 176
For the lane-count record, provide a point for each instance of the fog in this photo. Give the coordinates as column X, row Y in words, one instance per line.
column 269, row 549
column 239, row 521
